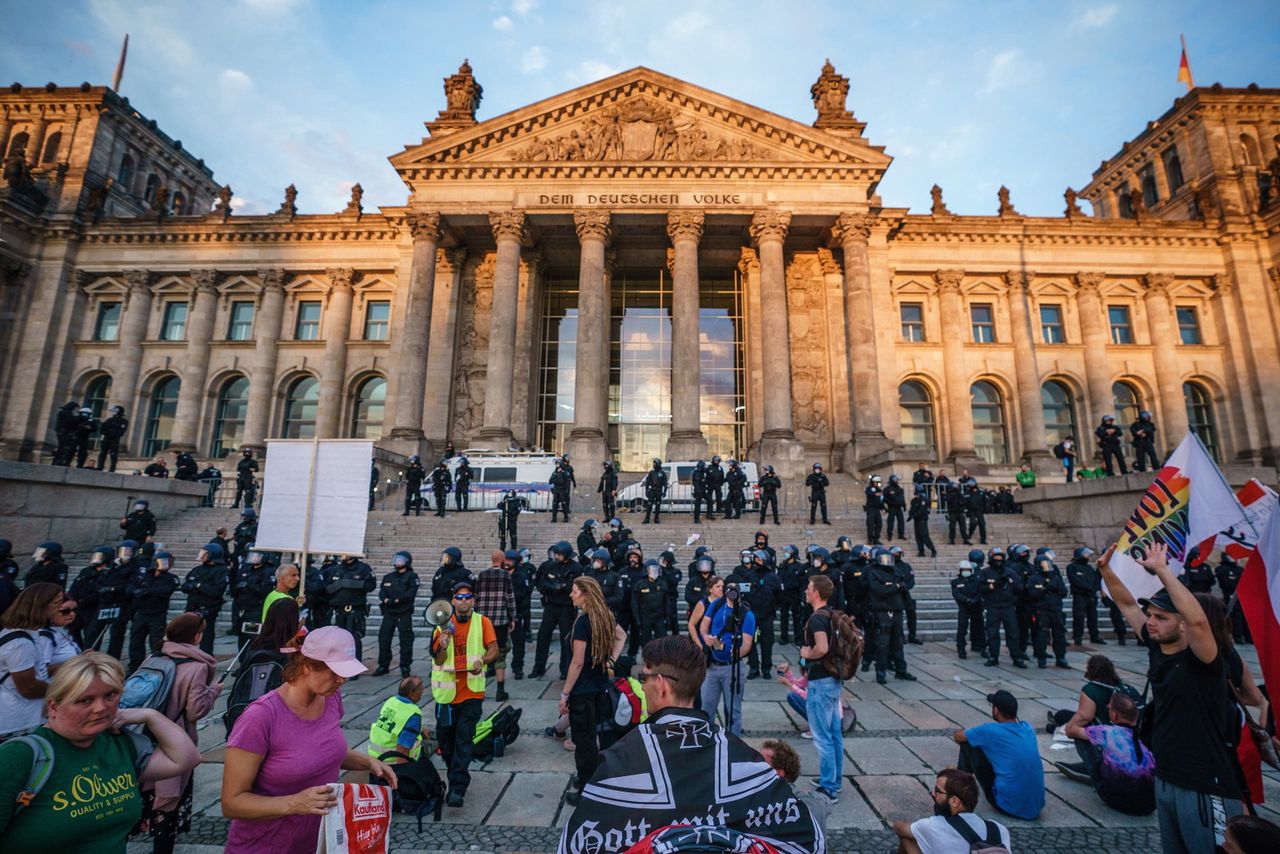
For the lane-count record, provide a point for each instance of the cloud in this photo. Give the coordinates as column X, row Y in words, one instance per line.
column 502, row 23
column 533, row 60
column 1002, row 71
column 1096, row 17
column 687, row 25
column 234, row 80
column 271, row 7
column 590, row 70
column 523, row 7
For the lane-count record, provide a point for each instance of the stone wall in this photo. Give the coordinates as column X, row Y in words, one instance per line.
column 79, row 508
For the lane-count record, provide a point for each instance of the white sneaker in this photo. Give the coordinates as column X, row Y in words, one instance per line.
column 807, row 734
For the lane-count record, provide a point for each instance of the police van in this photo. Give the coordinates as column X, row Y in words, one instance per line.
column 679, row 497
column 494, row 473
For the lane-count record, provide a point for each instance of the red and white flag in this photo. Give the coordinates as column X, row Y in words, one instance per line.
column 1259, row 597
column 1258, row 501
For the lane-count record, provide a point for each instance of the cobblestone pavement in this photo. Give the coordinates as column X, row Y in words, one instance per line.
column 515, row 803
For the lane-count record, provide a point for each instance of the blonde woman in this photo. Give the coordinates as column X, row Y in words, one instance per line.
column 585, row 696
column 85, row 718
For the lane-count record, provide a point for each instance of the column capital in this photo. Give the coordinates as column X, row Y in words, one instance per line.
column 770, row 225
column 509, row 225
column 1018, row 280
column 748, row 261
column 671, row 261
column 851, row 226
column 340, row 278
column 1089, row 282
column 205, row 281
column 592, row 223
column 272, row 278
column 685, row 225
column 138, row 280
column 1156, row 284
column 1221, row 284
column 949, row 280
column 423, row 225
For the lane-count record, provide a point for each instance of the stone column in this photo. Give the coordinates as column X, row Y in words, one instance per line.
column 333, row 375
column 778, row 445
column 588, row 439
column 852, row 231
column 195, row 368
column 133, row 331
column 509, row 231
column 266, row 333
column 959, row 408
column 409, row 353
column 35, row 140
column 5, row 127
column 1094, row 334
column 1035, row 449
column 1163, row 345
column 686, row 441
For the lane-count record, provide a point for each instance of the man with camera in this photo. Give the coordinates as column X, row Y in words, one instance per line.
column 728, row 632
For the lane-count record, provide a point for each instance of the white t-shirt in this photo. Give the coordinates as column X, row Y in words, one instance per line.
column 59, row 646
column 17, row 713
column 935, row 836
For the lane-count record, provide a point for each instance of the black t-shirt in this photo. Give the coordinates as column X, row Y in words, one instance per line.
column 1191, row 728
column 593, row 678
column 819, row 622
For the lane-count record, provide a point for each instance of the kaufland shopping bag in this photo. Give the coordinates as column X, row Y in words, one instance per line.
column 360, row 823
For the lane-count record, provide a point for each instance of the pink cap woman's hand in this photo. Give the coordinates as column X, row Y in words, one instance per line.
column 316, row 800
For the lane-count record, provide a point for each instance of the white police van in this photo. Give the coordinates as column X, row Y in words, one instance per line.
column 679, row 497
column 494, row 473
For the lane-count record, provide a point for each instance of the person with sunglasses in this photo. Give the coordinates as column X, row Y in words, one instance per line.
column 61, row 645
column 460, row 650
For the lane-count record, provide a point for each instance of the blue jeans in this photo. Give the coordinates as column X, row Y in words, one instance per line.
column 823, row 707
column 715, row 688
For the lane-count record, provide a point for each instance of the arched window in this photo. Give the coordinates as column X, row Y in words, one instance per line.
column 160, row 413
column 1124, row 202
column 915, row 409
column 300, row 409
column 1126, row 402
column 371, row 402
column 18, row 145
column 125, row 176
column 1200, row 417
column 96, row 395
column 179, row 202
column 988, row 423
column 228, row 425
column 153, row 187
column 51, row 146
column 1059, row 412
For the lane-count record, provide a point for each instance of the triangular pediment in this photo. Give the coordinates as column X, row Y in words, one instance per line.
column 637, row 118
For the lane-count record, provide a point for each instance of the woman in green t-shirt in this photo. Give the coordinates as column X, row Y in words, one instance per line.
column 91, row 799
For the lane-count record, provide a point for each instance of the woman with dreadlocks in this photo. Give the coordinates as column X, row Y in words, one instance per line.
column 585, row 697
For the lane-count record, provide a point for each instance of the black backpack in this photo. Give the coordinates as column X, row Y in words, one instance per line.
column 992, row 843
column 263, row 672
column 1059, row 451
column 419, row 789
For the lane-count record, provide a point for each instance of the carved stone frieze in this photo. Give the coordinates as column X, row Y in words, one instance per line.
column 810, row 369
column 471, row 362
column 748, row 261
column 949, row 280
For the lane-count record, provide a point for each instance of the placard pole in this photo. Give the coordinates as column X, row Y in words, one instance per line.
column 306, row 523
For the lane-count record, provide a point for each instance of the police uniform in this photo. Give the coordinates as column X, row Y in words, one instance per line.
column 441, row 483
column 1047, row 590
column 655, row 487
column 414, row 474
column 560, row 492
column 462, row 486
column 895, row 502
column 348, row 585
column 552, row 581
column 701, row 492
column 205, row 586
column 1084, row 581
column 396, row 595
column 608, row 489
column 873, row 504
column 735, row 480
column 967, row 593
column 246, row 486
column 508, row 514
column 817, row 483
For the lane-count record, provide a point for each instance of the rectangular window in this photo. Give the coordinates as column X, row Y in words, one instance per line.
column 1188, row 325
column 984, row 323
column 1051, row 324
column 308, row 328
column 108, row 326
column 174, row 327
column 377, row 321
column 912, row 314
column 498, row 474
column 241, row 328
column 1121, row 325
column 1173, row 168
column 1150, row 193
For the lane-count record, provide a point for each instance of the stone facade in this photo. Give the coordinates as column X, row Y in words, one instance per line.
column 1170, row 286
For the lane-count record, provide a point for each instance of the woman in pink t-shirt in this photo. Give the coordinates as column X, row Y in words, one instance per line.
column 288, row 747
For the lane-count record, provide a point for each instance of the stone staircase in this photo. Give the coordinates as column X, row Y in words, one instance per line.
column 476, row 534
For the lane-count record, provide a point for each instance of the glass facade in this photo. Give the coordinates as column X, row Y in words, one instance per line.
column 1127, row 403
column 174, row 327
column 300, row 409
column 640, row 365
column 160, row 415
column 915, row 413
column 992, row 444
column 240, row 327
column 1059, row 412
column 371, row 403
column 228, row 426
column 1200, row 417
column 108, row 326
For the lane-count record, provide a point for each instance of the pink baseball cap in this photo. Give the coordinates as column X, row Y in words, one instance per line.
column 336, row 648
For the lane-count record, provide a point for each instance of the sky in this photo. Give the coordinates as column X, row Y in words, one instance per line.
column 968, row 95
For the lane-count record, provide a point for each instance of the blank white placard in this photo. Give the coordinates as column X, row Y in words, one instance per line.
column 340, row 496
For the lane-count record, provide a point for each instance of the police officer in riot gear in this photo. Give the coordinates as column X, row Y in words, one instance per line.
column 1084, row 581
column 966, row 589
column 1046, row 590
column 695, row 589
column 441, row 483
column 560, row 491
column 608, row 489
column 587, row 542
column 184, row 467
column 886, row 605
column 552, row 581
column 348, row 586
column 649, row 603
column 462, row 485
column 1228, row 574
column 450, row 572
column 1196, row 575
column 396, row 596
column 85, row 591
column 1019, row 558
column 1109, row 437
column 953, row 500
column 1143, row 434
column 1003, row 588
column 874, row 507
column 817, row 483
column 770, row 483
column 319, row 614
column 919, row 516
column 49, row 566
column 975, row 508
column 150, row 593
column 671, row 576
column 820, row 563
column 763, row 597
column 701, row 492
column 522, row 589
column 246, row 532
column 907, row 578
column 86, row 427
column 735, row 481
column 895, row 503
column 65, row 427
column 205, row 586
column 655, row 487
column 253, row 580
column 246, row 482
column 111, row 615
column 508, row 515
column 140, row 524
column 715, row 483
column 112, row 430
column 414, row 475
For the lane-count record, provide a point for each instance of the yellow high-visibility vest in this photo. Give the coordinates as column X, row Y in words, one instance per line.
column 444, row 683
column 384, row 735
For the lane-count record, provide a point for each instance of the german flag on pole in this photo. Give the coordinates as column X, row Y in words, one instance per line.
column 1184, row 67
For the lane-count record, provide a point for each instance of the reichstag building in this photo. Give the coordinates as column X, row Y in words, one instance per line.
column 642, row 267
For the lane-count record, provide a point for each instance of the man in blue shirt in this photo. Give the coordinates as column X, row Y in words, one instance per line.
column 727, row 624
column 1003, row 755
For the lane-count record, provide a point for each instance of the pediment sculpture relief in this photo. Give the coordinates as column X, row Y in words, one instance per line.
column 638, row 131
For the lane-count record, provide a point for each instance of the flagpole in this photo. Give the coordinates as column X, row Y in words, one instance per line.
column 1186, row 63
column 124, row 51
